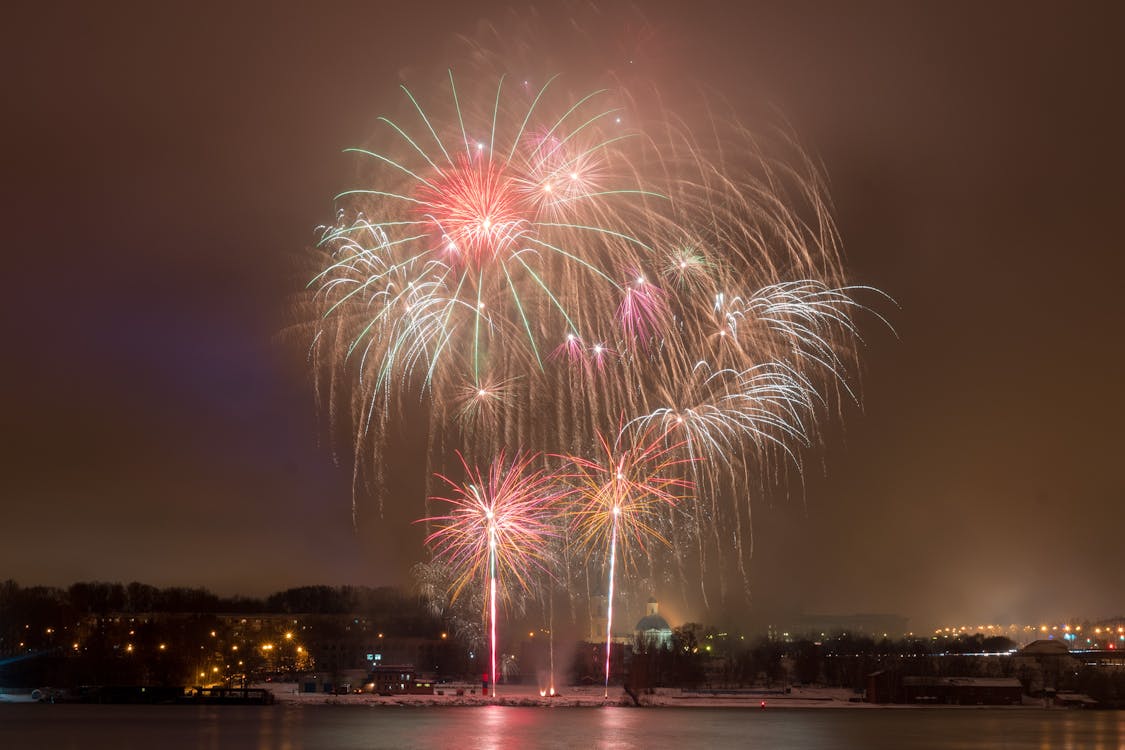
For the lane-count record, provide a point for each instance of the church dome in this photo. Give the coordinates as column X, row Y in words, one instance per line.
column 652, row 622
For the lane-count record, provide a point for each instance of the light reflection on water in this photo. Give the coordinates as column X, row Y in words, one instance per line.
column 507, row 728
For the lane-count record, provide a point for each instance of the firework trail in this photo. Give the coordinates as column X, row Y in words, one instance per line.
column 496, row 530
column 523, row 264
column 621, row 498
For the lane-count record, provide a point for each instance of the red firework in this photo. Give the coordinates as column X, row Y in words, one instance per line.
column 476, row 209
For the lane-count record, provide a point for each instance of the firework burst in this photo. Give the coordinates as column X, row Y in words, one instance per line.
column 621, row 498
column 496, row 530
column 525, row 264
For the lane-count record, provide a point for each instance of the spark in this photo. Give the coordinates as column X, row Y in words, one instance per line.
column 495, row 529
column 620, row 498
column 516, row 267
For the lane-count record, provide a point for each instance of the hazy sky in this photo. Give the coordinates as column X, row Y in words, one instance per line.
column 165, row 167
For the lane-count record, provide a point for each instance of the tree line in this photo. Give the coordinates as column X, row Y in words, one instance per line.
column 100, row 597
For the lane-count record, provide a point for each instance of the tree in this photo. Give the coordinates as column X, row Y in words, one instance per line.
column 807, row 661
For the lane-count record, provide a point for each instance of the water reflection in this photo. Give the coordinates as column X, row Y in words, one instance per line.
column 616, row 726
column 494, row 721
column 512, row 728
column 1099, row 730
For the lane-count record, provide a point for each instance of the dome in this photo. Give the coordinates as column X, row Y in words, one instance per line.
column 652, row 630
column 652, row 622
column 1045, row 648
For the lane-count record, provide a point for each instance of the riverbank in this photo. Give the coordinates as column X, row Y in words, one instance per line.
column 529, row 696
column 525, row 695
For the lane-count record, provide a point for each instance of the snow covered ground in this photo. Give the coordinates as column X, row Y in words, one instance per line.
column 527, row 695
column 16, row 696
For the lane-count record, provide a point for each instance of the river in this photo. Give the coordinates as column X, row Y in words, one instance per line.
column 65, row 727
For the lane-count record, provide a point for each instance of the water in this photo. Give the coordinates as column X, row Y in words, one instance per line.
column 494, row 727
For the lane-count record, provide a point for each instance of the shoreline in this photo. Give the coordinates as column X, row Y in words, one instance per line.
column 524, row 696
column 521, row 696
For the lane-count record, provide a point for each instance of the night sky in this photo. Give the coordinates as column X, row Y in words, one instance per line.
column 164, row 170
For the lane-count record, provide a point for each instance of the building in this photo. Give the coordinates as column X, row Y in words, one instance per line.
column 598, row 616
column 1047, row 648
column 1044, row 665
column 962, row 691
column 887, row 686
column 652, row 630
column 882, row 687
column 340, row 682
column 397, row 679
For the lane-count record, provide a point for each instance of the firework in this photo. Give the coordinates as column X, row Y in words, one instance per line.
column 621, row 498
column 524, row 264
column 495, row 530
